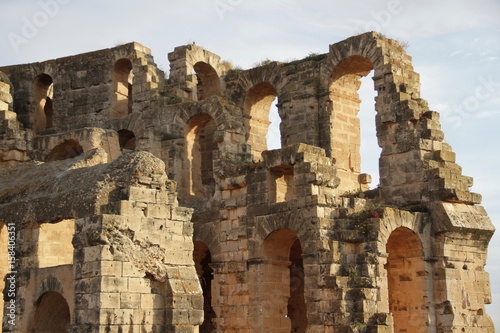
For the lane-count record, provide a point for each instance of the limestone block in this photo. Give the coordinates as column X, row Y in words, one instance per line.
column 461, row 217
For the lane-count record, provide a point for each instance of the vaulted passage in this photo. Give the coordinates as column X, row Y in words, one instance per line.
column 258, row 102
column 200, row 146
column 43, row 91
column 406, row 279
column 282, row 284
column 202, row 260
column 126, row 139
column 65, row 150
column 52, row 314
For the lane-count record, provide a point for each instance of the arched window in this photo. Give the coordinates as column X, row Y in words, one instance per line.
column 43, row 91
column 346, row 137
column 259, row 102
column 208, row 81
column 122, row 82
column 200, row 146
column 202, row 260
column 52, row 314
column 406, row 277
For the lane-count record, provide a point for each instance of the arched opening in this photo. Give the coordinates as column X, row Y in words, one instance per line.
column 202, row 259
column 52, row 314
column 65, row 150
column 122, row 85
column 208, row 81
column 406, row 277
column 43, row 91
column 282, row 274
column 200, row 146
column 258, row 104
column 345, row 124
column 126, row 139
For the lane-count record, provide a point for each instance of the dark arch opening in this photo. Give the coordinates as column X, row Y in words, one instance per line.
column 258, row 104
column 43, row 93
column 208, row 81
column 345, row 140
column 122, row 82
column 406, row 278
column 52, row 314
column 126, row 139
column 67, row 149
column 202, row 260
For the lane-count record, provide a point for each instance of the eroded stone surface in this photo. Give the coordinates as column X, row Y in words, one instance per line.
column 179, row 212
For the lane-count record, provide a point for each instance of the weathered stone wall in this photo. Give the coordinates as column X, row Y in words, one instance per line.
column 128, row 263
column 281, row 240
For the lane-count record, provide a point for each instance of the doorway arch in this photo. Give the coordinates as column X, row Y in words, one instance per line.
column 406, row 277
column 52, row 314
column 282, row 274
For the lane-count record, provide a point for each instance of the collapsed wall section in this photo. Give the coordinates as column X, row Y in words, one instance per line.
column 129, row 264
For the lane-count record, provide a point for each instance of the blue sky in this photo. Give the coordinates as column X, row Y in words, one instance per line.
column 455, row 47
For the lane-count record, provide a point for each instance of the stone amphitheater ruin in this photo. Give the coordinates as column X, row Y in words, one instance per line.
column 130, row 202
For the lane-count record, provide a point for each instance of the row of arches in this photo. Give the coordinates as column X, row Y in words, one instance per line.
column 43, row 95
column 281, row 280
column 351, row 133
column 282, row 283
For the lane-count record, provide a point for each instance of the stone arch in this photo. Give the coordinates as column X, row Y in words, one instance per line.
column 202, row 259
column 208, row 81
column 396, row 226
column 274, row 249
column 406, row 280
column 43, row 93
column 345, row 102
column 281, row 283
column 257, row 105
column 67, row 149
column 297, row 221
column 127, row 139
column 52, row 314
column 51, row 283
column 398, row 102
column 200, row 146
column 122, row 87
